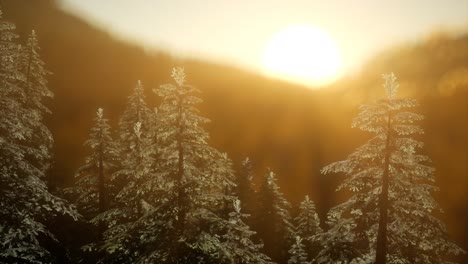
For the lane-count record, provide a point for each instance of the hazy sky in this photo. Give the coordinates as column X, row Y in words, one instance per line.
column 238, row 31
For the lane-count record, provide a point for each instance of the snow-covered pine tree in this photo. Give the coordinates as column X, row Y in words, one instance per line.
column 273, row 221
column 181, row 220
column 26, row 203
column 238, row 237
column 137, row 148
column 134, row 181
column 340, row 244
column 35, row 87
column 390, row 212
column 137, row 111
column 129, row 203
column 92, row 187
column 196, row 173
column 244, row 187
column 198, row 176
column 308, row 227
column 298, row 254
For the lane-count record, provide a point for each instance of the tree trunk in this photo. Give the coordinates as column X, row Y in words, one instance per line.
column 28, row 69
column 181, row 192
column 137, row 168
column 381, row 250
column 101, row 190
column 181, row 187
column 101, row 183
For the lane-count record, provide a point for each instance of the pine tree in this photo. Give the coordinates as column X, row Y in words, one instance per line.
column 134, row 180
column 192, row 166
column 137, row 148
column 26, row 203
column 92, row 188
column 136, row 111
column 274, row 221
column 390, row 212
column 308, row 226
column 238, row 239
column 129, row 204
column 181, row 220
column 298, row 253
column 244, row 187
column 136, row 168
column 35, row 87
column 340, row 243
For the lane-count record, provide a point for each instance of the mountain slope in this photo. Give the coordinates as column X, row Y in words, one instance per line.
column 287, row 127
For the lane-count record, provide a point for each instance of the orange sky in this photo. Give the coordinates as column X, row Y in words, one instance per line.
column 237, row 32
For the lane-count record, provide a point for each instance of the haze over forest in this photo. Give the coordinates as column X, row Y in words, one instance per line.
column 287, row 127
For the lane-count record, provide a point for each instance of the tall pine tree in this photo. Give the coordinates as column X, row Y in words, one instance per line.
column 390, row 212
column 238, row 238
column 26, row 203
column 308, row 227
column 35, row 86
column 181, row 220
column 244, row 189
column 136, row 111
column 273, row 221
column 137, row 148
column 92, row 190
column 196, row 173
column 134, row 181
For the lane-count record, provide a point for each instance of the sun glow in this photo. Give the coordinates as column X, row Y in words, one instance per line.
column 303, row 54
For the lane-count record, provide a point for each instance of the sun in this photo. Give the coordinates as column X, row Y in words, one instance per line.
column 304, row 54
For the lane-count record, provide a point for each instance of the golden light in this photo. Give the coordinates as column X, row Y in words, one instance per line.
column 303, row 54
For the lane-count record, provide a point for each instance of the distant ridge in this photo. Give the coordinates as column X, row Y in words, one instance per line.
column 287, row 127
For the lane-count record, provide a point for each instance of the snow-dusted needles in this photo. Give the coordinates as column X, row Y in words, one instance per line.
column 154, row 190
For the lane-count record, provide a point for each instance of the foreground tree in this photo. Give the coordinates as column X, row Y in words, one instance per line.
column 181, row 220
column 389, row 218
column 35, row 87
column 135, row 173
column 238, row 238
column 273, row 221
column 92, row 189
column 191, row 166
column 137, row 150
column 298, row 254
column 26, row 203
column 244, row 187
column 137, row 111
column 308, row 227
column 342, row 243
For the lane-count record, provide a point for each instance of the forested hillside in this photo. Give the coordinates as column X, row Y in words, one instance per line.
column 293, row 130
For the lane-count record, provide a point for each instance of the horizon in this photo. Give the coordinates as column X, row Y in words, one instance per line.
column 154, row 26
